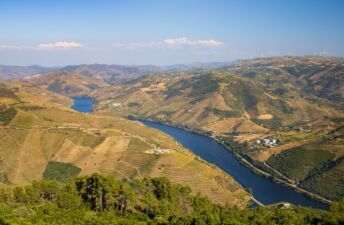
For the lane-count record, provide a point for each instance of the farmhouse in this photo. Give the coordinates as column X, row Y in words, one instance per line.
column 268, row 142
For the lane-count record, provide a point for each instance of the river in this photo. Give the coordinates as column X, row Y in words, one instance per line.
column 83, row 104
column 264, row 190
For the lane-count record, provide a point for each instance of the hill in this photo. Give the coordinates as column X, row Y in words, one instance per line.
column 296, row 101
column 18, row 72
column 311, row 76
column 111, row 73
column 66, row 83
column 41, row 137
column 103, row 72
column 123, row 73
column 211, row 98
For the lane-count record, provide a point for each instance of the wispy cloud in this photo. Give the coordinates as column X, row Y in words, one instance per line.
column 171, row 42
column 43, row 46
column 60, row 44
column 186, row 41
column 18, row 47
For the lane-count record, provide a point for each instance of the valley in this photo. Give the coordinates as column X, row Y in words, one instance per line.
column 278, row 120
column 212, row 112
column 41, row 138
column 250, row 101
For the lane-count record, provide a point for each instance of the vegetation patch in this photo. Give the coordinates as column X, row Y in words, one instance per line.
column 104, row 200
column 7, row 93
column 4, row 178
column 203, row 85
column 137, row 145
column 60, row 171
column 133, row 104
column 224, row 113
column 297, row 163
column 7, row 114
column 30, row 107
column 338, row 119
column 246, row 96
column 175, row 89
column 273, row 123
column 24, row 119
column 85, row 139
column 327, row 181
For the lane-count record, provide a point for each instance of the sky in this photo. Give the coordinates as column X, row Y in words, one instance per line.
column 166, row 32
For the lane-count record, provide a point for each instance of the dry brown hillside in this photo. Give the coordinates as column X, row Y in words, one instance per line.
column 38, row 130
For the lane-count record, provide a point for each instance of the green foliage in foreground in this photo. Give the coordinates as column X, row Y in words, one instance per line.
column 60, row 171
column 103, row 200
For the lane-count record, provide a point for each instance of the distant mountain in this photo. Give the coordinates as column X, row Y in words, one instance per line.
column 18, row 72
column 107, row 73
column 313, row 75
column 111, row 73
column 123, row 73
column 195, row 66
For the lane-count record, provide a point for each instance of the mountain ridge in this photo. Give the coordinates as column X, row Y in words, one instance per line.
column 17, row 72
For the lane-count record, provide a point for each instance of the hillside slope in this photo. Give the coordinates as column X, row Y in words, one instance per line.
column 42, row 138
column 295, row 100
column 18, row 72
column 311, row 76
column 66, row 83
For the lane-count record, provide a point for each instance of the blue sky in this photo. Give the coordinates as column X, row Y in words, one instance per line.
column 165, row 32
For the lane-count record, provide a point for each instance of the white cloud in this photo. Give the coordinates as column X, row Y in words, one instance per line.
column 55, row 45
column 60, row 44
column 171, row 42
column 187, row 41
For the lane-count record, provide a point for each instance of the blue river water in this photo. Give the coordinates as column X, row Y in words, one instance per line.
column 83, row 104
column 264, row 189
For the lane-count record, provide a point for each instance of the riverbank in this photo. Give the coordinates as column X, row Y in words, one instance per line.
column 246, row 163
column 278, row 180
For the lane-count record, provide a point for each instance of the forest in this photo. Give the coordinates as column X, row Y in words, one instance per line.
column 98, row 199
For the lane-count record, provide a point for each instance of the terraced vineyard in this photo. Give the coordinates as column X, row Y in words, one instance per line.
column 297, row 163
column 295, row 100
column 47, row 140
